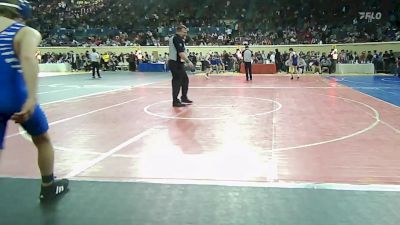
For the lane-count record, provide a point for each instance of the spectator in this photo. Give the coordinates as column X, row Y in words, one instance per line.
column 151, row 22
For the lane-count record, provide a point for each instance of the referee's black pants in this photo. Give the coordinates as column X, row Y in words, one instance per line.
column 179, row 80
column 247, row 67
column 95, row 67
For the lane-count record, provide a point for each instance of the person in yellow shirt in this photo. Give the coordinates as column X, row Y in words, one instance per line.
column 38, row 56
column 106, row 60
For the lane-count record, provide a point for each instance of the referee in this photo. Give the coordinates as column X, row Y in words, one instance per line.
column 95, row 60
column 177, row 58
column 247, row 58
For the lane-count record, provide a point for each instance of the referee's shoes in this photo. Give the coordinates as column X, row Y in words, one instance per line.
column 182, row 103
column 186, row 101
column 178, row 104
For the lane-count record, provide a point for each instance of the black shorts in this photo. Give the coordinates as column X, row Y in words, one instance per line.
column 207, row 64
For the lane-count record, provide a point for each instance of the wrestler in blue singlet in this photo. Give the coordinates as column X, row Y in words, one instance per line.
column 13, row 90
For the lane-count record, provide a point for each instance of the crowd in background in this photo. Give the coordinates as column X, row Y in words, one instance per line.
column 227, row 22
column 92, row 23
column 230, row 61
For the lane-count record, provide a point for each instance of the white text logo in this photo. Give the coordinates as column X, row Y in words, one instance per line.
column 370, row 16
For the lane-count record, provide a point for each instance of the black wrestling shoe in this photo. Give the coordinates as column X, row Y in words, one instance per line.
column 56, row 189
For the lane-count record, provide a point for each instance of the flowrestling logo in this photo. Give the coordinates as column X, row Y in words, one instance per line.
column 370, row 16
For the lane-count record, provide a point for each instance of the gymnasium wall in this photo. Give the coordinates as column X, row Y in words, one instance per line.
column 379, row 46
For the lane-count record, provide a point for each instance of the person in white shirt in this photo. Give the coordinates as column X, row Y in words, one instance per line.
column 95, row 60
column 264, row 57
column 272, row 57
column 302, row 66
column 293, row 63
column 247, row 59
column 334, row 53
column 207, row 65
